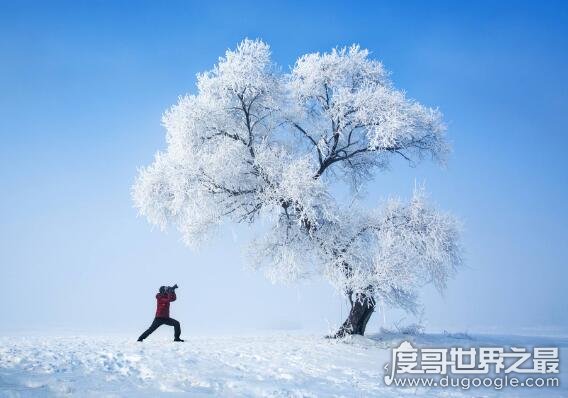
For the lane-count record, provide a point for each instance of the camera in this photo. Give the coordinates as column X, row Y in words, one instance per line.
column 168, row 289
column 171, row 289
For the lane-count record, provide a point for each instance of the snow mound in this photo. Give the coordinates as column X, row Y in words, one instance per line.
column 276, row 365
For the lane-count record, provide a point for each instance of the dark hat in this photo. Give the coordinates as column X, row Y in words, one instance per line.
column 162, row 289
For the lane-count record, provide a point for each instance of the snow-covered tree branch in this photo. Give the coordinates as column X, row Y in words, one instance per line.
column 255, row 143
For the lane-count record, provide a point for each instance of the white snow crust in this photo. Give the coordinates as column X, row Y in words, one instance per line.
column 274, row 365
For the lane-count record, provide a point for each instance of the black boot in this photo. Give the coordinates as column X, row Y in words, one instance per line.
column 180, row 340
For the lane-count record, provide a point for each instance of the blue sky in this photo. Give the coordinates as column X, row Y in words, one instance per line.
column 82, row 89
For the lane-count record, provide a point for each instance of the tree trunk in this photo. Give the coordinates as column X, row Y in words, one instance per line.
column 361, row 310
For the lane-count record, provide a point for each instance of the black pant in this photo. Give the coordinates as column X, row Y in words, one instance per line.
column 159, row 322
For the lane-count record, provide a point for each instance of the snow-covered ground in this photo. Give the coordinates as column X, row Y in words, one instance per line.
column 276, row 365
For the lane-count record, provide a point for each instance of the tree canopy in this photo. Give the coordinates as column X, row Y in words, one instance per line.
column 259, row 144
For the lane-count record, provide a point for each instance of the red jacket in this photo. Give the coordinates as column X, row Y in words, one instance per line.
column 163, row 304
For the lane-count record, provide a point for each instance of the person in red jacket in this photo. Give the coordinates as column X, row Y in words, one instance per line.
column 165, row 296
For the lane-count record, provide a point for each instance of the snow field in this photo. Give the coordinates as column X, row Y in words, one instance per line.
column 276, row 365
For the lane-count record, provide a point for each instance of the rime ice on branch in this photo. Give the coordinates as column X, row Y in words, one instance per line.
column 255, row 144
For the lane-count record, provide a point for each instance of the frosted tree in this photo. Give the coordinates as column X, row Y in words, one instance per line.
column 259, row 146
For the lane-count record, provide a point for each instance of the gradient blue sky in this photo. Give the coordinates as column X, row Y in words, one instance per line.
column 82, row 89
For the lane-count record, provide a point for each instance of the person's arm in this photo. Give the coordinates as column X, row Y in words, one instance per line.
column 163, row 298
column 172, row 296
